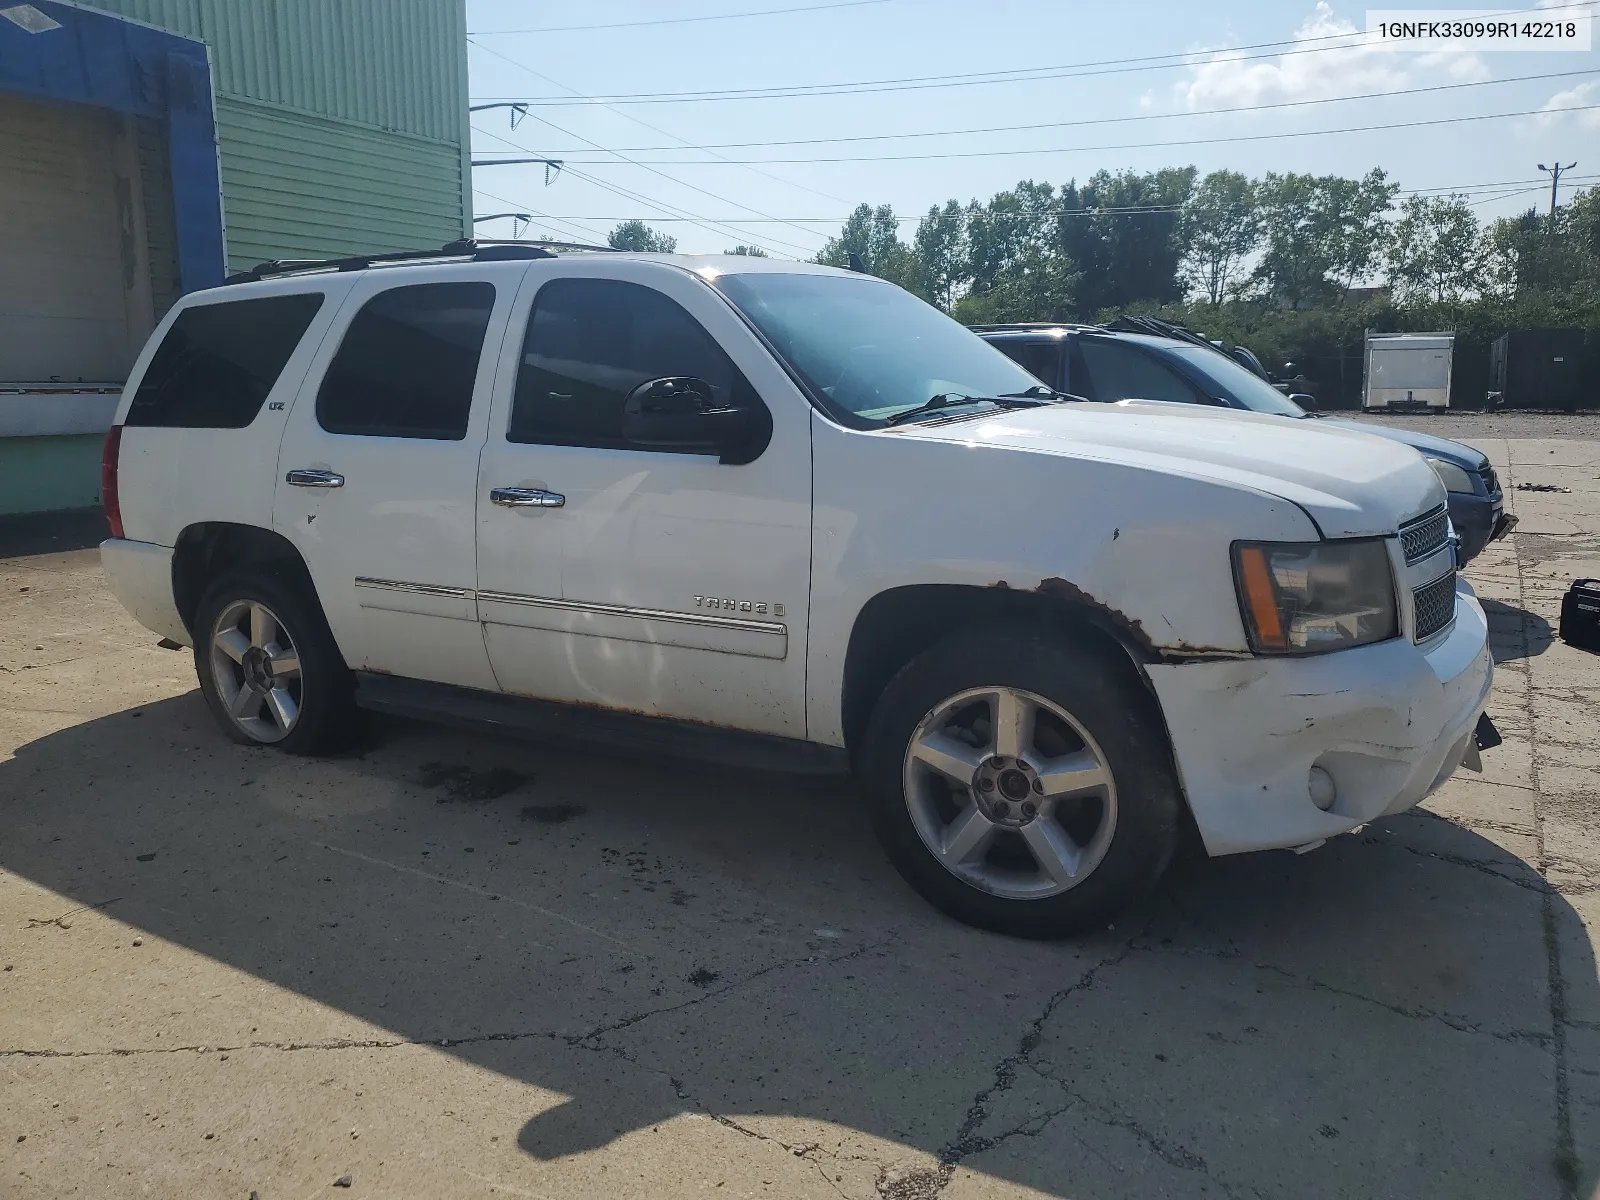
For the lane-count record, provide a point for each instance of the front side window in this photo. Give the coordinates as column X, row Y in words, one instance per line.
column 867, row 349
column 592, row 341
column 1230, row 379
column 408, row 363
column 217, row 363
column 1118, row 371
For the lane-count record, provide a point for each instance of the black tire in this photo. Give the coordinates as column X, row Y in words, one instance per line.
column 325, row 690
column 1098, row 688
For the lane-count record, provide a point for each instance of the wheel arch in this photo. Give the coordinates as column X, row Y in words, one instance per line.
column 209, row 549
column 896, row 625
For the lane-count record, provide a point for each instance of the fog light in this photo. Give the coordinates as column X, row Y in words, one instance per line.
column 1322, row 790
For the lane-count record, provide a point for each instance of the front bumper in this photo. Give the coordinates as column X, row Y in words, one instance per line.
column 1477, row 520
column 1388, row 722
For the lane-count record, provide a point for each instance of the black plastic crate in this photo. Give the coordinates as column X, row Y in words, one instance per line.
column 1580, row 615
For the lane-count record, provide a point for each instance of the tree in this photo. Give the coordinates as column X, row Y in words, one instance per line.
column 1552, row 259
column 873, row 235
column 1322, row 234
column 1436, row 250
column 751, row 251
column 1222, row 228
column 1123, row 236
column 1015, row 269
column 636, row 235
column 941, row 249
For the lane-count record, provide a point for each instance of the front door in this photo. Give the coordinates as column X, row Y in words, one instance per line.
column 670, row 584
column 378, row 468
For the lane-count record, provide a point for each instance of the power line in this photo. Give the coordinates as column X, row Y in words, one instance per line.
column 1211, row 112
column 1519, row 186
column 1207, row 141
column 722, row 229
column 653, row 128
column 738, row 16
column 1109, row 66
column 570, row 223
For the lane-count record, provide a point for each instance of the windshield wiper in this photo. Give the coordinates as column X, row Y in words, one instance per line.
column 1043, row 394
column 1027, row 399
column 934, row 404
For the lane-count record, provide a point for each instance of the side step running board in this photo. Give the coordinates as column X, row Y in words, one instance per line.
column 473, row 709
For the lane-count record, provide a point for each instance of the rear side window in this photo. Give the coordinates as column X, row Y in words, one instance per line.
column 217, row 363
column 592, row 341
column 408, row 362
column 1041, row 359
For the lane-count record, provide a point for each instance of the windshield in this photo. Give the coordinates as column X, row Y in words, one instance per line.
column 1231, row 380
column 867, row 348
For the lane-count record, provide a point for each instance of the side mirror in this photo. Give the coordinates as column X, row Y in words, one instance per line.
column 681, row 413
column 1307, row 402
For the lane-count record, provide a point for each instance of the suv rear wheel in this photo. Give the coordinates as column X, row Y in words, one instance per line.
column 1021, row 783
column 268, row 666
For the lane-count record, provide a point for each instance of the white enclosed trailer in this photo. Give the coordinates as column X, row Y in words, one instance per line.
column 1408, row 370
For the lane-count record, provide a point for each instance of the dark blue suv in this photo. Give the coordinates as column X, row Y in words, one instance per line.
column 1172, row 364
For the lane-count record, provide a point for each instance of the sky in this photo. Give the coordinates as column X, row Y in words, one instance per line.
column 1240, row 85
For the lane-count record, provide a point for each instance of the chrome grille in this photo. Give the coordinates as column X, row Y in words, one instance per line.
column 1426, row 535
column 1435, row 606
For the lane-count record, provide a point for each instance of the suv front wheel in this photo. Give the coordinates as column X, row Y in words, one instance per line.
column 1020, row 781
column 268, row 666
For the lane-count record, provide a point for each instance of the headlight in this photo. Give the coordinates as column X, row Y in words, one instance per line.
column 1308, row 597
column 1453, row 477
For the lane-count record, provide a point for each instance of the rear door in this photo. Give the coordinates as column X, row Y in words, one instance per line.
column 669, row 584
column 378, row 468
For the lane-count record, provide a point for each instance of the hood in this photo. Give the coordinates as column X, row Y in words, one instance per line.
column 1468, row 458
column 1350, row 483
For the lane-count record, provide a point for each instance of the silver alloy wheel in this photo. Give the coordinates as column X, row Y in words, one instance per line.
column 255, row 667
column 1010, row 793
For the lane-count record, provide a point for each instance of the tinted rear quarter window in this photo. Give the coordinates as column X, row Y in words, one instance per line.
column 408, row 363
column 217, row 363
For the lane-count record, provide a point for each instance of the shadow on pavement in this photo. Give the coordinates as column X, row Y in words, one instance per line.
column 649, row 938
column 1515, row 633
column 25, row 534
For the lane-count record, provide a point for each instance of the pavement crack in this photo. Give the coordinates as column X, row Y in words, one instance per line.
column 1457, row 860
column 41, row 922
column 443, row 1043
column 1400, row 1010
column 968, row 1139
column 1476, row 823
column 1564, row 1159
column 733, row 985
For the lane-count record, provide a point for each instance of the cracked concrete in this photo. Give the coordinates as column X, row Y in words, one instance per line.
column 227, row 971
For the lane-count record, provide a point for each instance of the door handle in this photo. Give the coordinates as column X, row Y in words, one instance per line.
column 526, row 498
column 304, row 477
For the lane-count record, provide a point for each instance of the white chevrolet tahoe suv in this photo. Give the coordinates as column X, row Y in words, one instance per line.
column 779, row 514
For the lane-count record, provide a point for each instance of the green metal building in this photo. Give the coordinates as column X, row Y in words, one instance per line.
column 149, row 146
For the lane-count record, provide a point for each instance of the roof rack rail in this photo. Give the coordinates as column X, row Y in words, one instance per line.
column 477, row 251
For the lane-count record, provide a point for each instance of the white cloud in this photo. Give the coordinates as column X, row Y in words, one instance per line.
column 1336, row 68
column 1572, row 97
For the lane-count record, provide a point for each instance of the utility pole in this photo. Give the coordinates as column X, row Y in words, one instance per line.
column 1555, row 180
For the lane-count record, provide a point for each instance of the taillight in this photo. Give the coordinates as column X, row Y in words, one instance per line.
column 108, row 479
